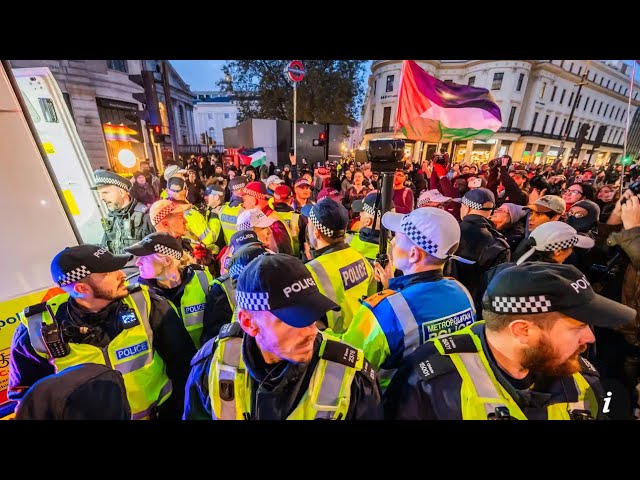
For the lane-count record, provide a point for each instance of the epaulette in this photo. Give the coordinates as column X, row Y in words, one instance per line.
column 340, row 352
column 587, row 367
column 429, row 363
column 35, row 309
column 461, row 343
column 230, row 330
column 134, row 287
column 204, row 353
column 375, row 299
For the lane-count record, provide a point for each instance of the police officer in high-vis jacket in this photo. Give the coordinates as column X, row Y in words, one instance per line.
column 522, row 362
column 184, row 286
column 273, row 364
column 221, row 301
column 100, row 320
column 419, row 305
column 341, row 273
column 230, row 210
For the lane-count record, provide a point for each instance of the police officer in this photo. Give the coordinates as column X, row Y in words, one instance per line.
column 197, row 228
column 419, row 305
column 168, row 217
column 127, row 220
column 101, row 320
column 185, row 287
column 295, row 223
column 214, row 197
column 221, row 301
column 523, row 361
column 479, row 241
column 273, row 364
column 341, row 272
column 230, row 210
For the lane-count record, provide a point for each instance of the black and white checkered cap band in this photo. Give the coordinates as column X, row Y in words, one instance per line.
column 244, row 226
column 370, row 210
column 164, row 250
column 552, row 247
column 418, row 237
column 316, row 223
column 73, row 276
column 533, row 304
column 254, row 301
column 472, row 204
column 111, row 181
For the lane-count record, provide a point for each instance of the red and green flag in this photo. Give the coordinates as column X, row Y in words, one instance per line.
column 255, row 157
column 434, row 111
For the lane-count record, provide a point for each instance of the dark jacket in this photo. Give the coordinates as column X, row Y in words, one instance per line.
column 217, row 311
column 411, row 396
column 514, row 234
column 302, row 222
column 277, row 389
column 84, row 392
column 481, row 242
column 143, row 193
column 125, row 227
column 629, row 240
column 170, row 340
column 512, row 193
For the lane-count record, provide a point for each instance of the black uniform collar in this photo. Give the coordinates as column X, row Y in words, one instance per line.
column 370, row 236
column 399, row 283
column 334, row 247
column 478, row 219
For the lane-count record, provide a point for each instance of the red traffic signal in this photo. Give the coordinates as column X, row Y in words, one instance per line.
column 323, row 136
column 157, row 129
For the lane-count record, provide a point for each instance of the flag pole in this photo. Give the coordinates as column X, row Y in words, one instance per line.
column 295, row 124
column 626, row 131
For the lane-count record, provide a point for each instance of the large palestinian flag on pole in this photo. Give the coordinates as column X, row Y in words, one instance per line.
column 255, row 157
column 433, row 111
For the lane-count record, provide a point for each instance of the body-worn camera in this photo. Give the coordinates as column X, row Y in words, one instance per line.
column 385, row 155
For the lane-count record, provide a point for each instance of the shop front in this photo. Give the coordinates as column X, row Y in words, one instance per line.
column 123, row 136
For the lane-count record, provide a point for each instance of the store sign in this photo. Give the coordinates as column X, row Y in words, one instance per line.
column 552, row 153
column 384, row 97
column 487, row 142
column 118, row 105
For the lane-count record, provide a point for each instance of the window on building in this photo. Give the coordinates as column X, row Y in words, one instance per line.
column 570, row 127
column 390, row 83
column 564, row 121
column 624, row 112
column 599, row 108
column 181, row 116
column 608, row 82
column 611, row 113
column 118, row 65
column 593, row 105
column 184, row 140
column 471, row 81
column 577, row 129
column 386, row 117
column 571, row 68
column 586, row 103
column 373, row 111
column 210, row 116
column 520, row 80
column 617, row 140
column 571, row 99
column 512, row 115
column 553, row 94
column 375, row 85
column 497, row 81
column 609, row 135
column 226, row 115
column 448, row 81
column 553, row 127
column 542, row 90
column 533, row 124
column 606, row 107
column 562, row 96
column 601, row 80
column 595, row 77
column 579, row 70
column 614, row 86
column 544, row 124
column 592, row 131
column 561, row 63
column 625, row 91
column 67, row 100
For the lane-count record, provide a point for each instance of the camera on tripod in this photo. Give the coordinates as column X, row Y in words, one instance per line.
column 385, row 155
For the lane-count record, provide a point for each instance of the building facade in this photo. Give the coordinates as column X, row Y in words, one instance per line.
column 213, row 111
column 100, row 97
column 535, row 99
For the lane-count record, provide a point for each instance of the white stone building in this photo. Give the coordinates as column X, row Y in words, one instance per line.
column 535, row 98
column 214, row 111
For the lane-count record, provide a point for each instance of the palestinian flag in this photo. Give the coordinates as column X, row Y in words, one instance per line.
column 433, row 111
column 252, row 156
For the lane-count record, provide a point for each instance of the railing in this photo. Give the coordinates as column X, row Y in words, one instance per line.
column 378, row 130
column 186, row 150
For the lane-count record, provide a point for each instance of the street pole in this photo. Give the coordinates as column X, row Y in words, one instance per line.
column 573, row 109
column 295, row 123
column 626, row 131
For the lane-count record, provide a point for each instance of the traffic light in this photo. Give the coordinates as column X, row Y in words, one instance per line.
column 626, row 160
column 582, row 135
column 319, row 142
column 149, row 97
column 599, row 136
column 158, row 135
column 203, row 139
